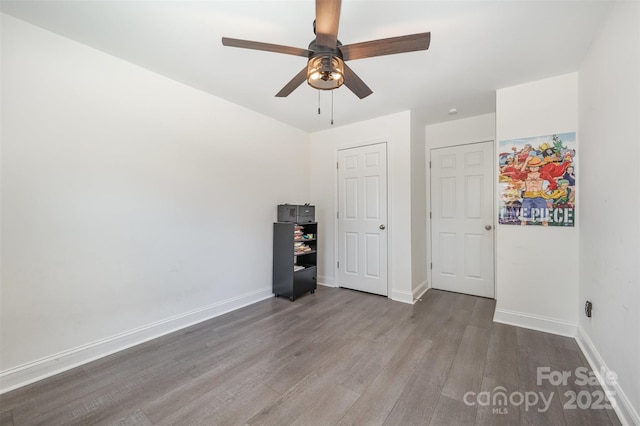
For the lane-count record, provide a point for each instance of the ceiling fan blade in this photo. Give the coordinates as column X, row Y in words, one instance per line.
column 292, row 85
column 268, row 47
column 355, row 83
column 386, row 46
column 327, row 20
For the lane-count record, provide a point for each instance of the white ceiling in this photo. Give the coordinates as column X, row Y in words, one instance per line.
column 476, row 48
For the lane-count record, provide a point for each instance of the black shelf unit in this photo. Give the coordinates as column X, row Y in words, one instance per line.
column 294, row 271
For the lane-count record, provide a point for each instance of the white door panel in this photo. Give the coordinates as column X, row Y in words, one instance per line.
column 462, row 210
column 362, row 207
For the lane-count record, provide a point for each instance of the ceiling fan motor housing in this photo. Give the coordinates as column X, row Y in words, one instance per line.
column 325, row 68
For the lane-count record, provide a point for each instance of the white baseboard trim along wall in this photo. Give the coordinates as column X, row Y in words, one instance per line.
column 622, row 406
column 25, row 374
column 419, row 291
column 401, row 296
column 535, row 322
column 326, row 281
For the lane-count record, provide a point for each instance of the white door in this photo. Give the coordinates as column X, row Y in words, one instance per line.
column 462, row 219
column 362, row 218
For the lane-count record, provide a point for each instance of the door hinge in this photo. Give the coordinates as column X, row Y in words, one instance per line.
column 337, row 215
column 431, row 265
column 338, row 264
column 429, row 164
column 337, row 165
column 430, row 215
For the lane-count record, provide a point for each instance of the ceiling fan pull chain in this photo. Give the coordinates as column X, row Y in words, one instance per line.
column 332, row 107
column 318, row 102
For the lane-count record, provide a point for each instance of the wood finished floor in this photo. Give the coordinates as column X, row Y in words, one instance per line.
column 336, row 357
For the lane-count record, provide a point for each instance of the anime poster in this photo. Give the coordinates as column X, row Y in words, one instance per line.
column 537, row 181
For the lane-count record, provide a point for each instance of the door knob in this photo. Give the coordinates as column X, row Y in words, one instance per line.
column 382, row 226
column 487, row 227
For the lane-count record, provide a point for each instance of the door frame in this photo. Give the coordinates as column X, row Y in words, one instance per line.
column 494, row 177
column 336, row 204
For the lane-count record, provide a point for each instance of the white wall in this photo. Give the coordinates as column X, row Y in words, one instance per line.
column 609, row 253
column 480, row 128
column 537, row 268
column 131, row 204
column 395, row 130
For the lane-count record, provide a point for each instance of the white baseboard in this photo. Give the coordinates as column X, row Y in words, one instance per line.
column 25, row 374
column 326, row 281
column 624, row 409
column 535, row 322
column 402, row 296
column 419, row 291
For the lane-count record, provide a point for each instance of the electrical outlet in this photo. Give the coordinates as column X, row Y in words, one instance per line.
column 588, row 306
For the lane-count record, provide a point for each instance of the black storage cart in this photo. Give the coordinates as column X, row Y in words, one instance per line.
column 295, row 259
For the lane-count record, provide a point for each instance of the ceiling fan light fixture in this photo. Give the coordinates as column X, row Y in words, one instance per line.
column 325, row 72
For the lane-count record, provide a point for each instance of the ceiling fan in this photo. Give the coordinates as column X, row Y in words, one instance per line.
column 326, row 56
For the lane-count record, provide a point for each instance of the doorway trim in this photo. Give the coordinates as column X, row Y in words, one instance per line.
column 428, row 150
